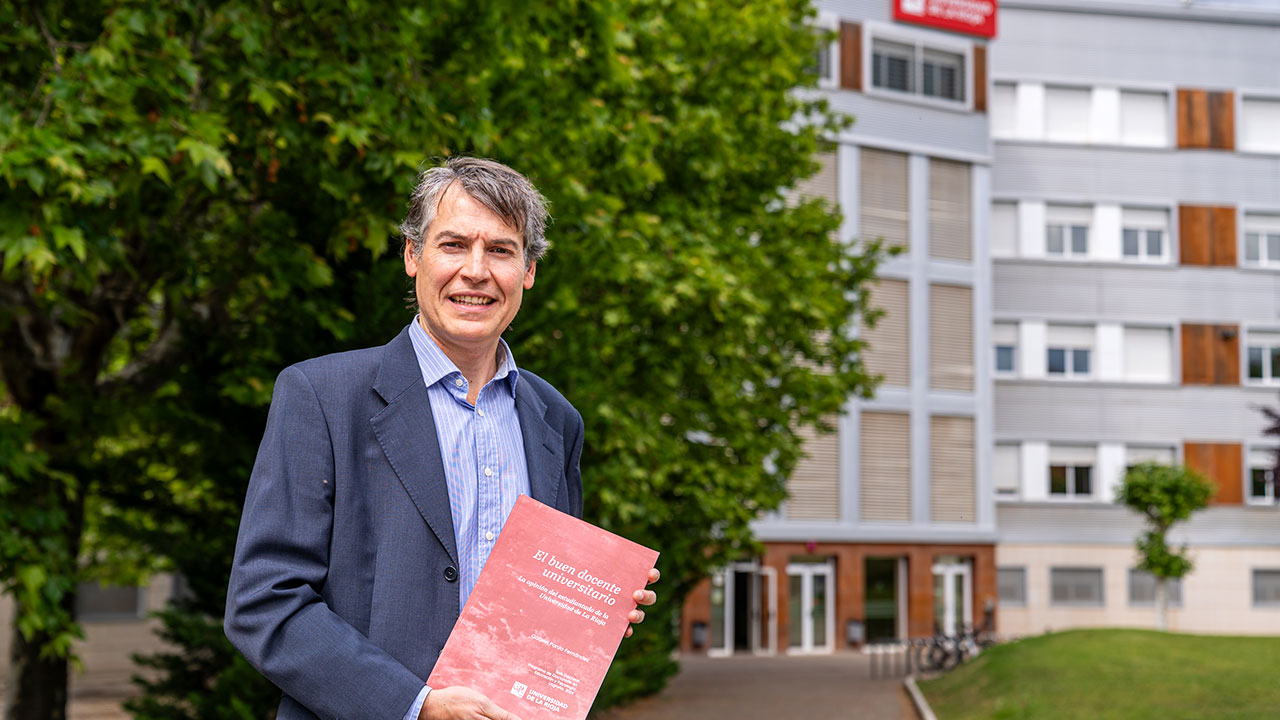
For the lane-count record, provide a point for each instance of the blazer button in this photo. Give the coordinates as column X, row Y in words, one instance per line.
column 451, row 574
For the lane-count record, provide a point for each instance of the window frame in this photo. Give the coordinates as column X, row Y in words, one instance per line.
column 827, row 21
column 1253, row 588
column 1175, row 601
column 1069, row 370
column 1270, row 359
column 1266, row 224
column 1072, row 494
column 1022, row 569
column 1102, row 587
column 1241, row 95
column 1143, row 257
column 88, row 615
column 1271, row 479
column 920, row 41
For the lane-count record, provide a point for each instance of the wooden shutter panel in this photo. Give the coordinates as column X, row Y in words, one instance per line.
column 813, row 489
column 1222, row 120
column 850, row 56
column 1210, row 354
column 1222, row 236
column 1207, row 235
column 951, row 493
column 980, row 78
column 889, row 342
column 885, row 473
column 1206, row 119
column 1226, row 354
column 950, row 337
column 1222, row 464
column 1197, row 355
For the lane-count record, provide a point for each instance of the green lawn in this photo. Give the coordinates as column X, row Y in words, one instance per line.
column 1114, row 674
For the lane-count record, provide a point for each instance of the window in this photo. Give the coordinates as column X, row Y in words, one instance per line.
column 1007, row 470
column 1144, row 118
column 892, row 66
column 1004, row 229
column 1148, row 354
column 1262, row 240
column 943, row 75
column 107, row 602
column 1144, row 237
column 1011, row 583
column 1005, row 337
column 1262, row 476
column 1071, row 471
column 1142, row 589
column 1004, row 110
column 1068, row 351
column 826, row 57
column 1067, row 231
column 1263, row 357
column 1259, row 118
column 1266, row 588
column 1076, row 586
column 911, row 67
column 1066, row 114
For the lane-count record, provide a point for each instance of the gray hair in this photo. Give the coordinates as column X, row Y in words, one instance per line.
column 505, row 192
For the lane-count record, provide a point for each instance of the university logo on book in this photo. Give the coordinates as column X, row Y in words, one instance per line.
column 519, row 689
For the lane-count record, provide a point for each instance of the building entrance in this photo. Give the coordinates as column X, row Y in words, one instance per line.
column 811, row 605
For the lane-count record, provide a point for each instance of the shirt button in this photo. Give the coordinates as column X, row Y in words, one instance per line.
column 488, row 472
column 480, row 412
column 489, row 536
column 458, row 382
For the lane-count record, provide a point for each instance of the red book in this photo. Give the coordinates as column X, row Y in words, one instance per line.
column 546, row 616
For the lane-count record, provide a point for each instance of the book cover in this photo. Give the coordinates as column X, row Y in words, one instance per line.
column 546, row 616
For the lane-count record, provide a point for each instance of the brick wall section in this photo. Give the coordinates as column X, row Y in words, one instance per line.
column 850, row 585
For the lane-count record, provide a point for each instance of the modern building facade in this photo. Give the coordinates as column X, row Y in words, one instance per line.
column 1135, row 242
column 890, row 526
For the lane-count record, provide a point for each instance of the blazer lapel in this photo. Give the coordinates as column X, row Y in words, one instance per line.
column 406, row 431
column 543, row 449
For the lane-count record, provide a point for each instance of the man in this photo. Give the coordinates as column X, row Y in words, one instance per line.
column 385, row 474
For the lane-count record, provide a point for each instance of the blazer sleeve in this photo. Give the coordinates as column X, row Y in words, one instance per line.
column 275, row 613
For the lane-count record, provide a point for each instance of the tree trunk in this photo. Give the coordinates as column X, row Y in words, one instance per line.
column 37, row 688
column 1162, row 603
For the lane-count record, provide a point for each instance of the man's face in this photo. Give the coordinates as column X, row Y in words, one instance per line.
column 470, row 277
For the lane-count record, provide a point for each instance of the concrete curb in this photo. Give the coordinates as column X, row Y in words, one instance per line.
column 917, row 699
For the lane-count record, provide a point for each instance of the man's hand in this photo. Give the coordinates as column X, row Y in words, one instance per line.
column 643, row 597
column 461, row 703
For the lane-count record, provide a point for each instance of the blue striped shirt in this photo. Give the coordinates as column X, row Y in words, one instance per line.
column 482, row 449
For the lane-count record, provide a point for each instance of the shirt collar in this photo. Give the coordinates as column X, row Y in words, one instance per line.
column 436, row 366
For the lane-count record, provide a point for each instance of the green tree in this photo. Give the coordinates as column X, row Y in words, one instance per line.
column 1164, row 495
column 198, row 193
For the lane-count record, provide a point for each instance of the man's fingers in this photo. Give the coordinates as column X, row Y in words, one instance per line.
column 645, row 597
column 627, row 634
column 636, row 616
column 654, row 576
column 491, row 710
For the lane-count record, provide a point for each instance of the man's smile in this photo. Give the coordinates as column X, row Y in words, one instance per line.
column 472, row 300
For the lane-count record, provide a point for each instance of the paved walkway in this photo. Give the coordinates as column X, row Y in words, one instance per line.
column 817, row 687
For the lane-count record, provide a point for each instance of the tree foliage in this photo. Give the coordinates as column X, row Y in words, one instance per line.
column 1164, row 495
column 197, row 193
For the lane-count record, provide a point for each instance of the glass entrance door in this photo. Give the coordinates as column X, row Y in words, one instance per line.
column 743, row 598
column 952, row 595
column 811, row 605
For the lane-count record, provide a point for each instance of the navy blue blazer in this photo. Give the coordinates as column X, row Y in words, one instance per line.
column 344, row 585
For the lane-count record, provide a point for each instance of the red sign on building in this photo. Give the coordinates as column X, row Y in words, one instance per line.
column 972, row 17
